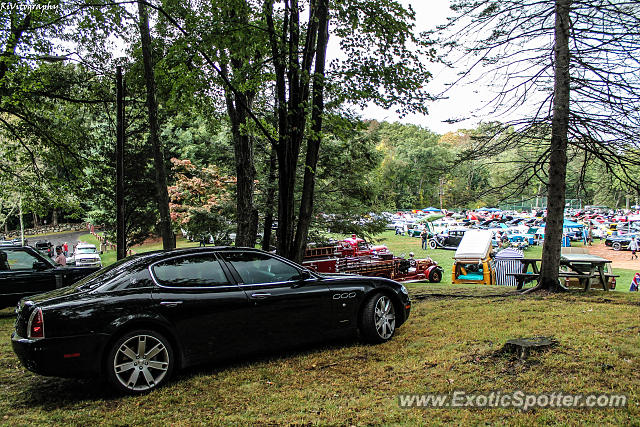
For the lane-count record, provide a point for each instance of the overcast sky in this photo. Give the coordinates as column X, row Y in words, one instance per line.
column 462, row 101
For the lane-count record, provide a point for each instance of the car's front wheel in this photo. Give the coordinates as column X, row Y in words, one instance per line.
column 432, row 244
column 616, row 246
column 140, row 361
column 378, row 319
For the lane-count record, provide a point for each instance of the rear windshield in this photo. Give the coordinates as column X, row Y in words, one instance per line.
column 106, row 274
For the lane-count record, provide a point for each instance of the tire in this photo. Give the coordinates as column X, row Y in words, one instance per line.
column 435, row 276
column 616, row 246
column 129, row 372
column 432, row 244
column 377, row 320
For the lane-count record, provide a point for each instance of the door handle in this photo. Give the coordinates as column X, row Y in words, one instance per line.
column 260, row 295
column 171, row 303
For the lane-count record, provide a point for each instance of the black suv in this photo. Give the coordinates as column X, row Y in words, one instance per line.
column 24, row 272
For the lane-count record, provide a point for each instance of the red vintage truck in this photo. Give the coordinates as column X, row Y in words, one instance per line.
column 356, row 256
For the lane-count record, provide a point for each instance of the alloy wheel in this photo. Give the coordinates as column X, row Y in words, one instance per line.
column 141, row 362
column 384, row 317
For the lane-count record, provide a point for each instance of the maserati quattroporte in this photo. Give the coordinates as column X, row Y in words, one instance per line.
column 139, row 320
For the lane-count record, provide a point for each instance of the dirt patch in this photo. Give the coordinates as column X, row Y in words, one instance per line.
column 620, row 259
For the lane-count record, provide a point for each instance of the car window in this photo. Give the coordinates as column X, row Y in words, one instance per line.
column 190, row 271
column 20, row 260
column 255, row 267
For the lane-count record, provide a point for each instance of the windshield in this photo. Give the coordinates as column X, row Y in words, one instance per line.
column 86, row 251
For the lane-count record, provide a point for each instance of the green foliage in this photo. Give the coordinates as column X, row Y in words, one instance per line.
column 201, row 201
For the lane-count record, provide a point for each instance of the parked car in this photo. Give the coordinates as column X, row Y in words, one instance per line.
column 45, row 247
column 620, row 241
column 146, row 316
column 85, row 255
column 449, row 239
column 24, row 271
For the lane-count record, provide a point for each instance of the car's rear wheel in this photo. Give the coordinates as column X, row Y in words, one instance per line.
column 140, row 361
column 435, row 276
column 616, row 246
column 378, row 319
column 432, row 244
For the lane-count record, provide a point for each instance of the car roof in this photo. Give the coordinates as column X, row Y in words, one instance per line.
column 185, row 251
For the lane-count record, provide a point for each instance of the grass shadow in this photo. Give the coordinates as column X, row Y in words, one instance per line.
column 50, row 393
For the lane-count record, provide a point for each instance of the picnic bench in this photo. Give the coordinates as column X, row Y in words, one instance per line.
column 583, row 267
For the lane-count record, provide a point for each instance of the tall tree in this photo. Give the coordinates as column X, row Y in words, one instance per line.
column 162, row 195
column 580, row 93
column 557, row 151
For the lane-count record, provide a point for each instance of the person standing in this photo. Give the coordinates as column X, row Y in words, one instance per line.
column 590, row 235
column 60, row 258
column 65, row 249
column 423, row 236
column 633, row 247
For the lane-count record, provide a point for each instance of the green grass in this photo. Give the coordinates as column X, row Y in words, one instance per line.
column 449, row 343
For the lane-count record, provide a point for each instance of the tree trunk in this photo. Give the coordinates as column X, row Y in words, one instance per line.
column 313, row 142
column 238, row 104
column 35, row 220
column 286, row 184
column 271, row 192
column 121, row 239
column 246, row 212
column 162, row 195
column 54, row 217
column 551, row 250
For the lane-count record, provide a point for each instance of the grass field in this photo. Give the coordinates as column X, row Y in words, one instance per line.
column 449, row 343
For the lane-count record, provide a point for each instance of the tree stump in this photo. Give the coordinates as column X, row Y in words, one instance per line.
column 522, row 347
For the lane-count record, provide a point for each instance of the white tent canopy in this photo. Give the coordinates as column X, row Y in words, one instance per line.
column 474, row 247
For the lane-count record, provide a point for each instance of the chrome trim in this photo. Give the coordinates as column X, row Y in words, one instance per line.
column 287, row 282
column 260, row 295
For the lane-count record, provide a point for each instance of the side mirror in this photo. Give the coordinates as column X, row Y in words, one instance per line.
column 304, row 275
column 40, row 266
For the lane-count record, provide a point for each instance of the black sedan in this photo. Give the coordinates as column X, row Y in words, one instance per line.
column 25, row 271
column 620, row 241
column 140, row 319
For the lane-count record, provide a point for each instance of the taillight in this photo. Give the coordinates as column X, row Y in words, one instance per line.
column 36, row 324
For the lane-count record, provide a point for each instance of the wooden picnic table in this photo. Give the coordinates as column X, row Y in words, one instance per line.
column 586, row 267
column 583, row 267
column 525, row 276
